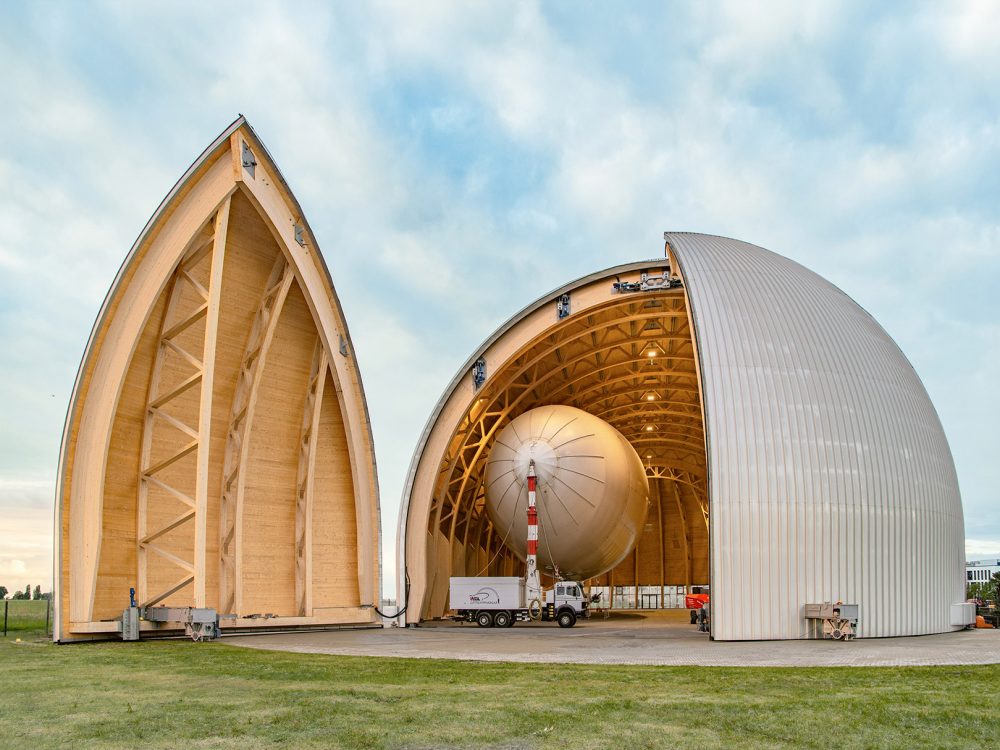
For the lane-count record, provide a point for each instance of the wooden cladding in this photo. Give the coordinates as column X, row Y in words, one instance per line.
column 215, row 454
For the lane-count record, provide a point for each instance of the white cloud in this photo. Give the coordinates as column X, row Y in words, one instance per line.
column 982, row 548
column 969, row 34
column 26, row 539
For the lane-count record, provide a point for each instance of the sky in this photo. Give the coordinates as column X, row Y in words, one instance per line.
column 458, row 160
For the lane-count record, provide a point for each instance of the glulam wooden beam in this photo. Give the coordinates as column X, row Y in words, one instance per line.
column 205, row 404
column 305, row 485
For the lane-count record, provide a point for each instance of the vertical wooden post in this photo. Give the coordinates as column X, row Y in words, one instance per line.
column 663, row 550
column 205, row 405
column 5, row 605
column 687, row 545
column 48, row 606
column 305, row 489
column 636, row 575
column 489, row 549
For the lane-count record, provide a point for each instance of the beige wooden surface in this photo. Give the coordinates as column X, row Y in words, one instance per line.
column 150, row 437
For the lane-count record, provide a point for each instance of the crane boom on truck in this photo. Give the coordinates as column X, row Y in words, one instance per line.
column 503, row 600
column 533, row 584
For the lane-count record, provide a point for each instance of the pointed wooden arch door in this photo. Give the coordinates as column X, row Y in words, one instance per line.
column 217, row 449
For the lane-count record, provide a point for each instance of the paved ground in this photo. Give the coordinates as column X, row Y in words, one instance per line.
column 656, row 638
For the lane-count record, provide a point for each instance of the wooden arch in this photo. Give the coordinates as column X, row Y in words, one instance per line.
column 217, row 449
column 624, row 353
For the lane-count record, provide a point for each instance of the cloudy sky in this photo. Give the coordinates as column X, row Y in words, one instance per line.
column 458, row 160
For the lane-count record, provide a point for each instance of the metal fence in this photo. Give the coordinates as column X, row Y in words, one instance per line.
column 27, row 615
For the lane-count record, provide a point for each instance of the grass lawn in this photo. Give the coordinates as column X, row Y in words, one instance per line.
column 183, row 694
column 24, row 615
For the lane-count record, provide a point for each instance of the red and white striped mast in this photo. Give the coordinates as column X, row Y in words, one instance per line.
column 533, row 585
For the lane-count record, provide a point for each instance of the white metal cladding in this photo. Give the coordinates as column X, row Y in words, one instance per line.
column 830, row 477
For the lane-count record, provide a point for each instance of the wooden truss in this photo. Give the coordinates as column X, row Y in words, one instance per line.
column 157, row 440
column 630, row 362
column 240, row 421
column 305, row 485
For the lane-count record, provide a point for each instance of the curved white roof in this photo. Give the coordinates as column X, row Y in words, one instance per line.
column 830, row 477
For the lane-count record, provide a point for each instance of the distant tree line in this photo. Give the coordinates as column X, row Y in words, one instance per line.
column 986, row 590
column 28, row 593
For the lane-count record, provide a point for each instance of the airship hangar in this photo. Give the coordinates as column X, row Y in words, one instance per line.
column 791, row 452
column 217, row 452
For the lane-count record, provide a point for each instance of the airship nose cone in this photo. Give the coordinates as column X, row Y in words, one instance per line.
column 543, row 454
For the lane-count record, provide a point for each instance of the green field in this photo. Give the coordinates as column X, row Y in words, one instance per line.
column 183, row 694
column 24, row 616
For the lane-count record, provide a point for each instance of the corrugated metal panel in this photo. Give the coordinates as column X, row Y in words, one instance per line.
column 830, row 477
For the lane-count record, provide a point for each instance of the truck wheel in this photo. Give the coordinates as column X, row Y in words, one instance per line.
column 566, row 619
column 485, row 619
column 535, row 609
column 502, row 619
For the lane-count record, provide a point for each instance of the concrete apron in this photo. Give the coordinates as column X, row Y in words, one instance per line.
column 655, row 638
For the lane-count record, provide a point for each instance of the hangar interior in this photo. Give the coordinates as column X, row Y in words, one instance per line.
column 631, row 361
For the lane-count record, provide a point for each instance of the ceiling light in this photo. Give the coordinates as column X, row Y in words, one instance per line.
column 654, row 350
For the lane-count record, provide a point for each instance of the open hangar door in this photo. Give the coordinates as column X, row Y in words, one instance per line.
column 617, row 345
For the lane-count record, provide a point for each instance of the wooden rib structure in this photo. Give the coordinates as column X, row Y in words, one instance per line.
column 217, row 450
column 628, row 358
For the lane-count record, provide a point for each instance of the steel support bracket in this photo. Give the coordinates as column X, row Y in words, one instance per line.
column 562, row 307
column 479, row 373
column 247, row 157
column 648, row 282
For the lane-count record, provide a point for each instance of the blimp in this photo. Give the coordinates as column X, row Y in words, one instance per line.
column 592, row 490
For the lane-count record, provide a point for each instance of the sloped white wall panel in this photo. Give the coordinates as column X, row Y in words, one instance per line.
column 830, row 477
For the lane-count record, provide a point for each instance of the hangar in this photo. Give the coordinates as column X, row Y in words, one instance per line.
column 217, row 451
column 792, row 453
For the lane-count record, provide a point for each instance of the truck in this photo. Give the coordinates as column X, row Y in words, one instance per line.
column 501, row 601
